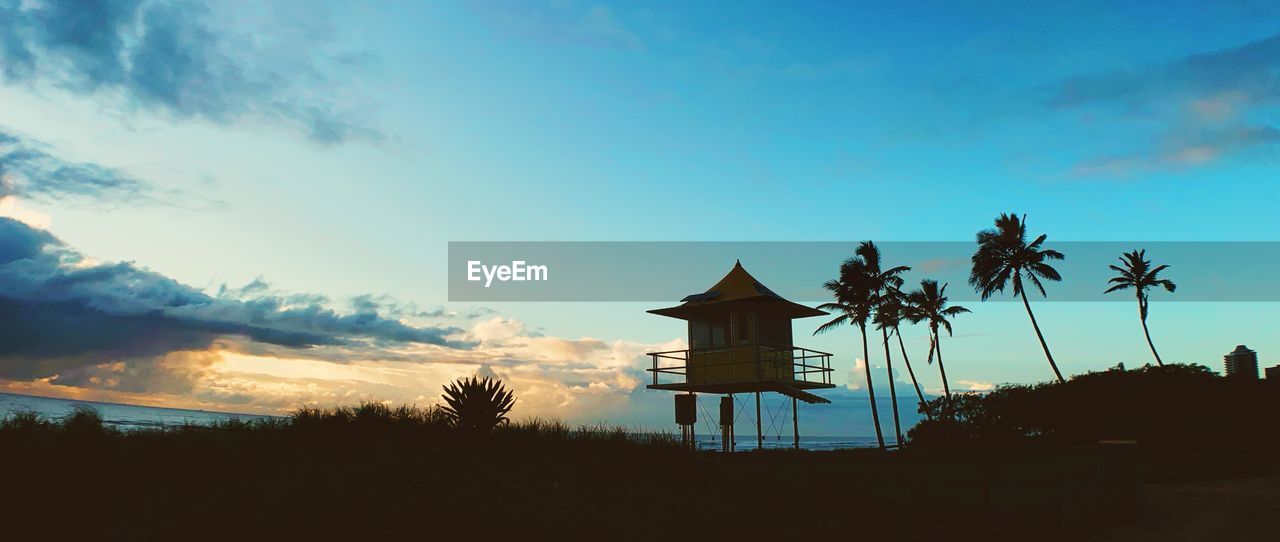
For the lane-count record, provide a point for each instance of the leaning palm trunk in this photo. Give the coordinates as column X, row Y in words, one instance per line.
column 907, row 360
column 871, row 389
column 1040, row 336
column 893, row 392
column 1142, row 313
column 942, row 369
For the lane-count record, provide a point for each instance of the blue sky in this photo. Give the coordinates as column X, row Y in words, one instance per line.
column 335, row 149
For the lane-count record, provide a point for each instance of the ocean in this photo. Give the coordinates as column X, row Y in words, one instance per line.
column 130, row 417
column 746, row 443
column 123, row 417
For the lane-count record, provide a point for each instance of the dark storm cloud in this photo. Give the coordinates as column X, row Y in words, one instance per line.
column 21, row 242
column 173, row 57
column 61, row 312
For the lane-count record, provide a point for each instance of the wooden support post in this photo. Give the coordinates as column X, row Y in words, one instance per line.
column 759, row 427
column 795, row 422
column 733, row 436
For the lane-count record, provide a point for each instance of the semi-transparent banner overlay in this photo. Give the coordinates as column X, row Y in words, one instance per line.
column 660, row 272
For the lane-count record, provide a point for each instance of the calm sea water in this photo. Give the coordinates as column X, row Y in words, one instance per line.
column 124, row 417
column 127, row 417
column 745, row 443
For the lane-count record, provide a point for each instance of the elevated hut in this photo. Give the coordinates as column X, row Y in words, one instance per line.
column 740, row 341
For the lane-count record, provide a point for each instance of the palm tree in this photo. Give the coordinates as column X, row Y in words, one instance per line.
column 893, row 311
column 852, row 306
column 889, row 312
column 930, row 305
column 857, row 292
column 1138, row 274
column 1003, row 255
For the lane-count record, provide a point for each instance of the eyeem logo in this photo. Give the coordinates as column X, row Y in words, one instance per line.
column 518, row 271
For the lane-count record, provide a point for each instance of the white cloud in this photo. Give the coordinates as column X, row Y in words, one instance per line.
column 973, row 385
column 11, row 207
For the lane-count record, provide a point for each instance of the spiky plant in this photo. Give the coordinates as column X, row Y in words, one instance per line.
column 477, row 404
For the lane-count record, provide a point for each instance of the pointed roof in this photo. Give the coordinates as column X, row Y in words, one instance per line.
column 737, row 287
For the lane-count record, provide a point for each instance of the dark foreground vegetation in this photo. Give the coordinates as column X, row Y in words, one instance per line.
column 1020, row 463
column 1190, row 422
column 378, row 473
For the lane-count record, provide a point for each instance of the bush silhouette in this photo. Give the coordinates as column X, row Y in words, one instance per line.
column 1177, row 413
column 84, row 421
column 477, row 404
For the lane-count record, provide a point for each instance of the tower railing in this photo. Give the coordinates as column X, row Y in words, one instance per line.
column 741, row 363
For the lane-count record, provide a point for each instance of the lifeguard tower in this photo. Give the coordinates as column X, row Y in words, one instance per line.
column 740, row 342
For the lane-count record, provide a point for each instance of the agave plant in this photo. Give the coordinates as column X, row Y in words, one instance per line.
column 477, row 404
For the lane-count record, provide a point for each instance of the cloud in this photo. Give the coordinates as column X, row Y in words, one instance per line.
column 1248, row 71
column 119, row 332
column 1180, row 151
column 973, row 385
column 1205, row 106
column 182, row 59
column 594, row 26
column 11, row 207
column 66, row 312
column 938, row 265
column 28, row 170
column 856, row 379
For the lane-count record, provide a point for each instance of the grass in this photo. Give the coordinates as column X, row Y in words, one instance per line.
column 1019, row 463
column 371, row 471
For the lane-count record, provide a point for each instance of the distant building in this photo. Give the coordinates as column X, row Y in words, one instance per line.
column 1242, row 362
column 1273, row 373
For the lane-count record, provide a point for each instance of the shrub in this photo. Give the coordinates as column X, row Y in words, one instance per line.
column 83, row 421
column 24, row 421
column 1183, row 409
column 477, row 404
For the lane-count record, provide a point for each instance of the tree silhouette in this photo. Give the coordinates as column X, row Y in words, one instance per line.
column 477, row 404
column 889, row 312
column 1004, row 255
column 893, row 310
column 929, row 304
column 1138, row 274
column 857, row 291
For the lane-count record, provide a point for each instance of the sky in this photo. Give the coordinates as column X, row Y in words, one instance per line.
column 246, row 206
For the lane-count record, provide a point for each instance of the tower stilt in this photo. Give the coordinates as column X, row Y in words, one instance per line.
column 795, row 422
column 759, row 427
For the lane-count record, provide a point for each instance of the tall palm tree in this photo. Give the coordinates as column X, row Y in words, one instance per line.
column 930, row 305
column 1003, row 255
column 853, row 306
column 1138, row 274
column 857, row 291
column 896, row 309
column 882, row 323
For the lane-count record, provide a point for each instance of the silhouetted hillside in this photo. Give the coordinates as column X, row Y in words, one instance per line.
column 1181, row 415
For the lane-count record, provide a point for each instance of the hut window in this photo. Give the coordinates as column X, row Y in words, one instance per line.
column 775, row 331
column 703, row 334
column 744, row 324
